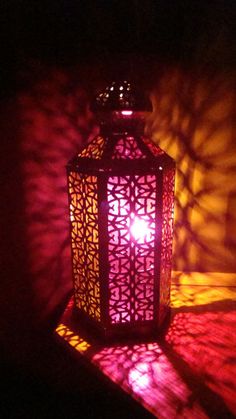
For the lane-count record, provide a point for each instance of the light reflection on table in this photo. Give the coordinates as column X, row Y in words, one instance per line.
column 174, row 378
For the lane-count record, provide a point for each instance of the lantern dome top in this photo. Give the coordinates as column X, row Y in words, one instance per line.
column 121, row 96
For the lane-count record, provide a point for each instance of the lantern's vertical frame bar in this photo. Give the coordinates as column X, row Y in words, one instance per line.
column 70, row 170
column 172, row 168
column 102, row 180
column 158, row 248
column 132, row 179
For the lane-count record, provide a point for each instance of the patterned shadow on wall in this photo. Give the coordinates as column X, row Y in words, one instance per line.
column 193, row 121
column 55, row 123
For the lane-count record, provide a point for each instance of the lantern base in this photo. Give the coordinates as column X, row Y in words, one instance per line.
column 132, row 332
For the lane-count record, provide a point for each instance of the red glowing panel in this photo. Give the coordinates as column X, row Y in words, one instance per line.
column 131, row 227
column 127, row 148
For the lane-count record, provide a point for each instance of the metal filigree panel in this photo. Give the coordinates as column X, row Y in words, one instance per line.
column 94, row 150
column 155, row 150
column 127, row 148
column 167, row 238
column 131, row 229
column 84, row 235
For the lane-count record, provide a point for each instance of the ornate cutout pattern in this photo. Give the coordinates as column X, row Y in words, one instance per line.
column 94, row 150
column 127, row 148
column 131, row 228
column 84, row 234
column 167, row 238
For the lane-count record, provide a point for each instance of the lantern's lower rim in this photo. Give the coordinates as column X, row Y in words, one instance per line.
column 143, row 330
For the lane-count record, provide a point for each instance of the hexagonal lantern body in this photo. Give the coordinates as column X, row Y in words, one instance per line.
column 121, row 197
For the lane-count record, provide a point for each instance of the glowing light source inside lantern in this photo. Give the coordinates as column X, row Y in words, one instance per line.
column 139, row 229
column 127, row 113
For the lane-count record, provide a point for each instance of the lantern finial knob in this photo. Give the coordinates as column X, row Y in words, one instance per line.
column 121, row 96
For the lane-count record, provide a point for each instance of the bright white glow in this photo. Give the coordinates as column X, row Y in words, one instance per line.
column 139, row 229
column 127, row 113
column 139, row 378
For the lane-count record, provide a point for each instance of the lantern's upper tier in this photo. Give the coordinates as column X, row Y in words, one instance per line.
column 120, row 152
column 121, row 111
column 121, row 96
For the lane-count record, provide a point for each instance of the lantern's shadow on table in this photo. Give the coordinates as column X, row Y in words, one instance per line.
column 186, row 372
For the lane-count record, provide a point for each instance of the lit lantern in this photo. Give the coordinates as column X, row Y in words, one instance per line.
column 121, row 196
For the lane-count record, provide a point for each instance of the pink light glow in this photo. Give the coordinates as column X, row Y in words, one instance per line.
column 139, row 229
column 127, row 113
column 146, row 373
column 140, row 377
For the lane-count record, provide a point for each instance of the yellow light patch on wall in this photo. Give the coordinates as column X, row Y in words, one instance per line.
column 193, row 121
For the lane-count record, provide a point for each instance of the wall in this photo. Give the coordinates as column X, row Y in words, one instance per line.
column 46, row 123
column 194, row 121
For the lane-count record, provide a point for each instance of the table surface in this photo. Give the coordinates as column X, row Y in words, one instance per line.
column 190, row 372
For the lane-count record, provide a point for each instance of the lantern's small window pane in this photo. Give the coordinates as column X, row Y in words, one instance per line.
column 127, row 148
column 94, row 150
